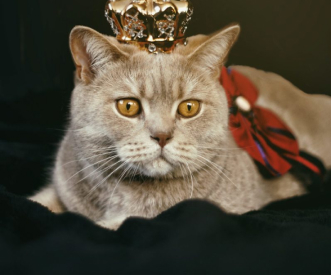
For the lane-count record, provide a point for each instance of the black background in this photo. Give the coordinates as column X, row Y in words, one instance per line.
column 289, row 37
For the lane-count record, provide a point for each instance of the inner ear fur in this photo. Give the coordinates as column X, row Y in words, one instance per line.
column 212, row 54
column 91, row 51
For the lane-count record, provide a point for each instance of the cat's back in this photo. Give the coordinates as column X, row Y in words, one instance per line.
column 307, row 115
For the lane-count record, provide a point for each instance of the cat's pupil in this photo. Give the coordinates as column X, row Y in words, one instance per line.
column 189, row 106
column 128, row 106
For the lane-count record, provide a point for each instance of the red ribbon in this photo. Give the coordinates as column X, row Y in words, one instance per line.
column 259, row 132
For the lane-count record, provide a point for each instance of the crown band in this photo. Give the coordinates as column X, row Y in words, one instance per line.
column 153, row 25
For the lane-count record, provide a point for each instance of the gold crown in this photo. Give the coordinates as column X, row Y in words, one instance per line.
column 153, row 25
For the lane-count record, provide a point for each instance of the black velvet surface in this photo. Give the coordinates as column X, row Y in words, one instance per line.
column 194, row 237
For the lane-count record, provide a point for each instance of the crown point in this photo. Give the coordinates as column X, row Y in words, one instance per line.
column 148, row 23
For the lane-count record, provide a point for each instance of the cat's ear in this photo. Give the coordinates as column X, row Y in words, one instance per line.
column 212, row 54
column 91, row 51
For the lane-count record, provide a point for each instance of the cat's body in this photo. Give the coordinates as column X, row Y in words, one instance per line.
column 110, row 167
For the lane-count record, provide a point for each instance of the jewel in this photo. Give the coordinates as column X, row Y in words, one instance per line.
column 167, row 27
column 134, row 26
column 111, row 21
column 243, row 104
column 152, row 48
column 187, row 20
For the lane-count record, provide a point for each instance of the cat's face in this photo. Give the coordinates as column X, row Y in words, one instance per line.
column 158, row 115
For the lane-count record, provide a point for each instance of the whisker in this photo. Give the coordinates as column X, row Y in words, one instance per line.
column 106, row 178
column 224, row 149
column 87, row 158
column 191, row 179
column 181, row 168
column 134, row 173
column 89, row 167
column 218, row 168
column 96, row 170
column 117, row 183
column 211, row 168
column 216, row 154
column 104, row 149
column 200, row 167
column 106, row 168
column 183, row 173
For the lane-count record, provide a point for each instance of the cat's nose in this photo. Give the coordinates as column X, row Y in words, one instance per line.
column 162, row 138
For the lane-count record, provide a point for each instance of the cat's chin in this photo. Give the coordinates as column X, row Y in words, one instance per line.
column 157, row 168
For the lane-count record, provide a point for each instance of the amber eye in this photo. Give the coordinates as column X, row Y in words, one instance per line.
column 128, row 107
column 189, row 108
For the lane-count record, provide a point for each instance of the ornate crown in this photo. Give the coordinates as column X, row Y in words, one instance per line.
column 153, row 25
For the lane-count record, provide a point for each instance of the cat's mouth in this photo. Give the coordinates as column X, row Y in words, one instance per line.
column 163, row 158
column 157, row 167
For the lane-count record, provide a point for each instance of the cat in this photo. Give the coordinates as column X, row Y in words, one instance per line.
column 148, row 131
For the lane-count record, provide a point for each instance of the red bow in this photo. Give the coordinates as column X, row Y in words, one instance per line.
column 256, row 130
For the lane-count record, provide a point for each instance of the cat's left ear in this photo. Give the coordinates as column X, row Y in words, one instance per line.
column 212, row 54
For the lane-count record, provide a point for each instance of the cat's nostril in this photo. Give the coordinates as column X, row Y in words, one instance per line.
column 162, row 138
column 156, row 138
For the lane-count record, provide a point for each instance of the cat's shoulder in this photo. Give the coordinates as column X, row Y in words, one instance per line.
column 268, row 82
column 276, row 87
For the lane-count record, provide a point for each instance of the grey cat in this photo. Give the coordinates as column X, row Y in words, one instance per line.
column 148, row 131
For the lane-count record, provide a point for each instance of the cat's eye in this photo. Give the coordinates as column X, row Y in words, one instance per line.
column 189, row 108
column 128, row 107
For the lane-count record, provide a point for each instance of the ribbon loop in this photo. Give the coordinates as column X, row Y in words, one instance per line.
column 257, row 130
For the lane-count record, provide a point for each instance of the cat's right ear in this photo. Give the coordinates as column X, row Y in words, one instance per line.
column 91, row 51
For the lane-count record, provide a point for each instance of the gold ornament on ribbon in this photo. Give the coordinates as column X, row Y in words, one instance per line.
column 154, row 25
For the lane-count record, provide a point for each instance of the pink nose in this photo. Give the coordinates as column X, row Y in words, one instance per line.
column 162, row 138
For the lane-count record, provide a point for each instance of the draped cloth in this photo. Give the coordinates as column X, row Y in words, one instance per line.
column 258, row 131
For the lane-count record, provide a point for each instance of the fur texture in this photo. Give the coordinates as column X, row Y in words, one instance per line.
column 109, row 168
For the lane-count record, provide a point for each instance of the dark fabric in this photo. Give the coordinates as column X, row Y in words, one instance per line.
column 194, row 237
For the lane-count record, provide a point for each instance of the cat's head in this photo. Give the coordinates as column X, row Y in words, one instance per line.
column 159, row 115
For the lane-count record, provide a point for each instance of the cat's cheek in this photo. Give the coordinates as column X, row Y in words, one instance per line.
column 180, row 153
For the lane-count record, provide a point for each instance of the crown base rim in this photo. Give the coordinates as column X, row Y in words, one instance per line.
column 156, row 46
